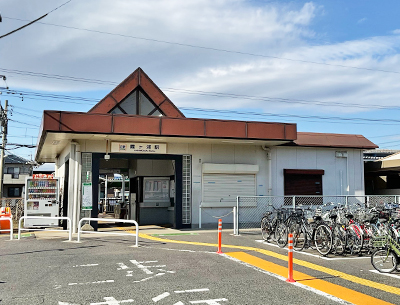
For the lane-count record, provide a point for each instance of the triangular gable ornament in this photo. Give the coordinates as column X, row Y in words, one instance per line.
column 137, row 81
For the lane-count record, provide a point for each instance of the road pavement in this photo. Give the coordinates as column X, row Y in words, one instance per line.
column 172, row 267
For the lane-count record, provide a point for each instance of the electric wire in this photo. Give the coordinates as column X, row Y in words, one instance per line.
column 208, row 93
column 208, row 48
column 31, row 22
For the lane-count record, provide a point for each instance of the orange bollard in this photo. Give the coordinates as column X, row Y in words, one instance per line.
column 290, row 278
column 219, row 236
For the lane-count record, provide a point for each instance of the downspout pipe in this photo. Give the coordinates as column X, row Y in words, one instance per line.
column 76, row 205
column 269, row 165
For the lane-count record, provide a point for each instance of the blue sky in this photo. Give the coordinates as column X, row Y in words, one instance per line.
column 303, row 62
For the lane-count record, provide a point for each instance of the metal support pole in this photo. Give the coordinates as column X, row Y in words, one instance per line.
column 200, row 216
column 4, row 124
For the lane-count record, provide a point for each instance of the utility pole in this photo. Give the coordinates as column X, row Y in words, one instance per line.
column 4, row 124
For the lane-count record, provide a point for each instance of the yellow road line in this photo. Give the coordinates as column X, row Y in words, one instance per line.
column 349, row 277
column 338, row 291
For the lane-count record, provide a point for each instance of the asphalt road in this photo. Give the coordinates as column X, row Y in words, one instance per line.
column 108, row 270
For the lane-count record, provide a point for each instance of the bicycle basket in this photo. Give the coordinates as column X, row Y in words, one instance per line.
column 379, row 242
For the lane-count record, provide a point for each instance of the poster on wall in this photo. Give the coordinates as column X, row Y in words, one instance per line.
column 87, row 200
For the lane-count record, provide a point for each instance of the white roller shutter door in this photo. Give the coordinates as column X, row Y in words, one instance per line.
column 222, row 189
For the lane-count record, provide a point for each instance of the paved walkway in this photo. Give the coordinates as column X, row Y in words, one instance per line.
column 340, row 278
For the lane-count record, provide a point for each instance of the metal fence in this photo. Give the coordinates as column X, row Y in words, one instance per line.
column 250, row 210
column 16, row 205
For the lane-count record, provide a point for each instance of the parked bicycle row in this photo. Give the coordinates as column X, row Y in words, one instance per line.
column 332, row 228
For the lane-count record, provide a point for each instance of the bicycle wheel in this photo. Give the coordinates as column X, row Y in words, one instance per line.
column 266, row 228
column 281, row 235
column 339, row 241
column 299, row 237
column 323, row 239
column 354, row 242
column 384, row 260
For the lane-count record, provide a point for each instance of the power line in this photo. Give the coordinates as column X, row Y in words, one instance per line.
column 360, row 120
column 207, row 48
column 279, row 99
column 31, row 22
column 32, row 116
column 293, row 115
column 207, row 93
column 23, row 123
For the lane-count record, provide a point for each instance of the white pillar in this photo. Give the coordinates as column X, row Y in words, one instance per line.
column 76, row 187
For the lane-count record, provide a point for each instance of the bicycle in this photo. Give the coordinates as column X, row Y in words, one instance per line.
column 306, row 232
column 386, row 258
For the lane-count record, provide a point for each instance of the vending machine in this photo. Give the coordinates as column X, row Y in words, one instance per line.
column 41, row 199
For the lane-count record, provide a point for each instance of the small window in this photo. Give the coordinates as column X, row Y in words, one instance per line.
column 137, row 103
column 14, row 171
column 14, row 192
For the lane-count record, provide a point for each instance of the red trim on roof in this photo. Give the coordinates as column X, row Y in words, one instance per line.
column 312, row 139
column 79, row 122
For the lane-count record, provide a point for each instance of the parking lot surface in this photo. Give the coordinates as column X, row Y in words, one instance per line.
column 180, row 267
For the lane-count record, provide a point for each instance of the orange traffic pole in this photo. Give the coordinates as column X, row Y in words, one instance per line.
column 219, row 236
column 290, row 278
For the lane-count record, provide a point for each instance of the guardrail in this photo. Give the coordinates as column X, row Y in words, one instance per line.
column 11, row 226
column 36, row 229
column 111, row 233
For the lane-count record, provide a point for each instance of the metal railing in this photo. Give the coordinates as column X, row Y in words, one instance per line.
column 111, row 233
column 250, row 209
column 11, row 229
column 36, row 229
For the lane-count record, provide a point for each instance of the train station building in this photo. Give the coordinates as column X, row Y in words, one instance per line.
column 164, row 167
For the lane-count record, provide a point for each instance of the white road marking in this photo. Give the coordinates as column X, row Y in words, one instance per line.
column 112, row 301
column 88, row 283
column 210, row 302
column 144, row 268
column 179, row 303
column 65, row 303
column 316, row 291
column 88, row 265
column 122, row 266
column 148, row 278
column 192, row 290
column 160, row 297
column 315, row 255
column 387, row 274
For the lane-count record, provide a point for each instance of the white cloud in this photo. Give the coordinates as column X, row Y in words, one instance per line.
column 279, row 30
column 362, row 20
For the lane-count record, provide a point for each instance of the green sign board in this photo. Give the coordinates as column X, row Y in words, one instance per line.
column 87, row 199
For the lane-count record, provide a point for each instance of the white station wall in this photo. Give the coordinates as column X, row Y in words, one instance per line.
column 339, row 172
column 343, row 175
column 220, row 154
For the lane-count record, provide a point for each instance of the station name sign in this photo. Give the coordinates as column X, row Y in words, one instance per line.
column 138, row 148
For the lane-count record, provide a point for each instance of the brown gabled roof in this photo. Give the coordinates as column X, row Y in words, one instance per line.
column 313, row 139
column 137, row 79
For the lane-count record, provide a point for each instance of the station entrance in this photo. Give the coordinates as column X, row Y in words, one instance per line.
column 142, row 187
